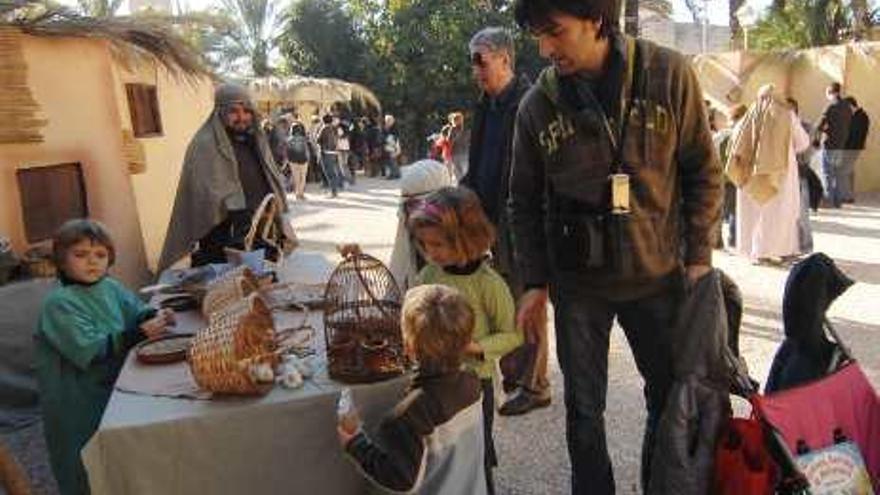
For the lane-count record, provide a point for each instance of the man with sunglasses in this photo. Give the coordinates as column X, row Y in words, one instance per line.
column 615, row 193
column 492, row 61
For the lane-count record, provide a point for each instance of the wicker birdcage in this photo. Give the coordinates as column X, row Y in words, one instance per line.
column 231, row 287
column 224, row 355
column 362, row 321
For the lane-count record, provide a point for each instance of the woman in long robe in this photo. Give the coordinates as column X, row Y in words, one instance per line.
column 769, row 230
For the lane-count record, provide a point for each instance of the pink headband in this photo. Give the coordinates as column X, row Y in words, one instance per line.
column 430, row 209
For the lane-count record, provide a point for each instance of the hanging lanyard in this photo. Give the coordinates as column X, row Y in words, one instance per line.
column 616, row 139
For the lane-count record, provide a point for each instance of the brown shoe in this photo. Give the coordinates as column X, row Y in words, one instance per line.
column 523, row 402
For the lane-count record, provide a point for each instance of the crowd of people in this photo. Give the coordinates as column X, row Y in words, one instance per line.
column 601, row 187
column 333, row 148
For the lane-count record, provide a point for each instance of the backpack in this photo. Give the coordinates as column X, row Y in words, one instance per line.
column 297, row 149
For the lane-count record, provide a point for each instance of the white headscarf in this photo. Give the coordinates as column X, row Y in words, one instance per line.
column 418, row 179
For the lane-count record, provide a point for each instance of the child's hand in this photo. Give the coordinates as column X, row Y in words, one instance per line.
column 154, row 327
column 351, row 249
column 347, row 428
column 474, row 349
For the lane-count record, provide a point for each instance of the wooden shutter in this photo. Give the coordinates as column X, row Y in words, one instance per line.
column 51, row 196
column 143, row 104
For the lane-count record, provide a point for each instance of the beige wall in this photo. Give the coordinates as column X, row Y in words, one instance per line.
column 862, row 78
column 80, row 88
column 72, row 81
column 184, row 106
column 731, row 78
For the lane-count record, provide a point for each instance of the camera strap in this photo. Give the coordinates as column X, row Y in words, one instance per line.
column 629, row 83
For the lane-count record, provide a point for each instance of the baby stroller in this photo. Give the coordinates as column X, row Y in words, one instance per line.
column 817, row 401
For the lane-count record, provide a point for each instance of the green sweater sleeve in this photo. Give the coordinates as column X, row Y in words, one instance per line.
column 503, row 335
column 134, row 310
column 71, row 332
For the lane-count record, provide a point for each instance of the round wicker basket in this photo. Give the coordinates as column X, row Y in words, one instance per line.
column 222, row 355
column 228, row 289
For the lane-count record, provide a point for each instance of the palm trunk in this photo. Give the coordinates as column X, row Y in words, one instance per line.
column 631, row 22
column 861, row 19
column 735, row 29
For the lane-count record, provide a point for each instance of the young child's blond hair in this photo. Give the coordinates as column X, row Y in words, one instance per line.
column 457, row 212
column 438, row 322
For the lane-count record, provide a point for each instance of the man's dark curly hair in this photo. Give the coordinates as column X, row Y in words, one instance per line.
column 533, row 15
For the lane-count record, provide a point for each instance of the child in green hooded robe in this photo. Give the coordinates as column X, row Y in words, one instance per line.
column 87, row 325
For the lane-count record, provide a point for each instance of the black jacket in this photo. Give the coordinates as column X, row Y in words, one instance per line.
column 835, row 123
column 698, row 402
column 858, row 130
column 503, row 249
column 805, row 354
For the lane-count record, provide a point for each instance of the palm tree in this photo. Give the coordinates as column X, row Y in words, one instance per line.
column 861, row 18
column 632, row 23
column 99, row 8
column 733, row 20
column 631, row 19
column 252, row 34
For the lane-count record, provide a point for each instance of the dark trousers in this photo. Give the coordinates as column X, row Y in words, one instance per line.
column 330, row 166
column 583, row 326
column 729, row 213
column 391, row 169
column 832, row 162
column 490, row 458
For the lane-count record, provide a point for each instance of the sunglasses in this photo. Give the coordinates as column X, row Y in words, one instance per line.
column 479, row 60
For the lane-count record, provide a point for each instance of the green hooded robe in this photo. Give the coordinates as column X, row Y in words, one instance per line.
column 83, row 335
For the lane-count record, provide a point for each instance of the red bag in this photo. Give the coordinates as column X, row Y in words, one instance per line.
column 742, row 462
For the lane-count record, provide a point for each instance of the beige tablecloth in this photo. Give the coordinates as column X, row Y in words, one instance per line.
column 284, row 442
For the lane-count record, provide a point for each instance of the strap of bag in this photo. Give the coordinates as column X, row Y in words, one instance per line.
column 266, row 206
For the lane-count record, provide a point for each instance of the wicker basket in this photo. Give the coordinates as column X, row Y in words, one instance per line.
column 228, row 289
column 237, row 338
column 362, row 322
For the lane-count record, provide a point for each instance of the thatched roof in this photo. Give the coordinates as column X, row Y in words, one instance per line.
column 132, row 38
column 322, row 90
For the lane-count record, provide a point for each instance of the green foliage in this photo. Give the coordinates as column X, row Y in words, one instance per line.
column 320, row 39
column 412, row 53
column 243, row 36
column 801, row 24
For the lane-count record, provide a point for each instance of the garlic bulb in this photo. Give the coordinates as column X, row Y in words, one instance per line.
column 292, row 379
column 262, row 373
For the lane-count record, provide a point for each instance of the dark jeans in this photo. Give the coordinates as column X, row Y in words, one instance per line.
column 330, row 166
column 729, row 213
column 390, row 168
column 832, row 164
column 583, row 326
column 490, row 459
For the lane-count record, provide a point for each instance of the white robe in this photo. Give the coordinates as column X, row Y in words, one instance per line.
column 770, row 229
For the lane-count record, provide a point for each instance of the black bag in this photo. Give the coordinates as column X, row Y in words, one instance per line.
column 297, row 149
column 579, row 242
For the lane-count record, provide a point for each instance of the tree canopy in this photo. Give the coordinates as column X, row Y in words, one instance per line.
column 412, row 53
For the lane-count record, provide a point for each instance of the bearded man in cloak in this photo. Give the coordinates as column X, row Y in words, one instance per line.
column 227, row 173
